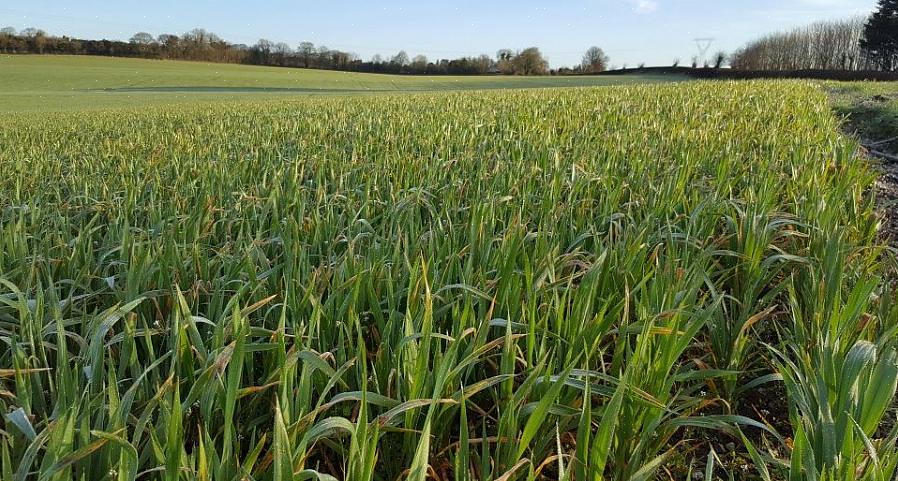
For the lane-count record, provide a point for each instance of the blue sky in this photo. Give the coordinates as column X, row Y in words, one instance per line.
column 631, row 31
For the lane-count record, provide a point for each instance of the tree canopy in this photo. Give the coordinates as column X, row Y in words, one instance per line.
column 880, row 41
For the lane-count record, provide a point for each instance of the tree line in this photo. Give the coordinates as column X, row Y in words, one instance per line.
column 827, row 45
column 853, row 44
column 202, row 45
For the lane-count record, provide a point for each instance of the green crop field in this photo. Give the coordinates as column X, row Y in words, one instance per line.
column 679, row 281
column 60, row 83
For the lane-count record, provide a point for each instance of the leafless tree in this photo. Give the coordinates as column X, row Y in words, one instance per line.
column 530, row 61
column 419, row 63
column 306, row 52
column 594, row 60
column 142, row 38
column 827, row 45
column 400, row 59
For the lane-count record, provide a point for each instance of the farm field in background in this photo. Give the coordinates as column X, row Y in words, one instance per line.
column 72, row 83
column 634, row 281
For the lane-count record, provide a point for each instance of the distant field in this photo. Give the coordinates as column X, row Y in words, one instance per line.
column 60, row 83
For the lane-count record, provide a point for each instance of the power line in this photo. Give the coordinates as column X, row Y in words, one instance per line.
column 704, row 44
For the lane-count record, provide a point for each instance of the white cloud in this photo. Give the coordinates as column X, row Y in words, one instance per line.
column 644, row 6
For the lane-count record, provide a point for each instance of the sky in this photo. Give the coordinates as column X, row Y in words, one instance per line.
column 654, row 32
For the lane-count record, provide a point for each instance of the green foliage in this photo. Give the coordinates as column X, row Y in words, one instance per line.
column 563, row 284
column 880, row 40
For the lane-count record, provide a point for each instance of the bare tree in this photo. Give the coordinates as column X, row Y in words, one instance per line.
column 170, row 44
column 323, row 57
column 504, row 61
column 400, row 59
column 419, row 63
column 32, row 32
column 484, row 63
column 200, row 37
column 530, row 61
column 823, row 45
column 280, row 52
column 261, row 51
column 594, row 60
column 37, row 36
column 143, row 38
column 306, row 51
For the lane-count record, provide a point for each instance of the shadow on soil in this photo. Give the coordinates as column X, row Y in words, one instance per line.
column 871, row 116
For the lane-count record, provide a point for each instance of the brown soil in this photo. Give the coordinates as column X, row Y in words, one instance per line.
column 884, row 158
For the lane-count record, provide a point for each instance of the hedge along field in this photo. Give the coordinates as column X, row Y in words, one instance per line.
column 570, row 284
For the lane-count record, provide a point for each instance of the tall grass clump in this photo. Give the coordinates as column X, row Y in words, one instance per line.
column 568, row 284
